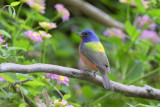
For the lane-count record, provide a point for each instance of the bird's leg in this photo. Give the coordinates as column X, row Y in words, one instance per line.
column 94, row 73
column 87, row 69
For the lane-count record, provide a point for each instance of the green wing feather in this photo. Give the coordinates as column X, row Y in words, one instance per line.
column 97, row 57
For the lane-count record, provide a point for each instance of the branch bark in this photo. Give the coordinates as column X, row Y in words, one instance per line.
column 145, row 92
column 94, row 13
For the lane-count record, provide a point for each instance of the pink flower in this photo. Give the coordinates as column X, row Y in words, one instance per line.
column 48, row 74
column 145, row 3
column 64, row 101
column 128, row 2
column 153, row 26
column 63, row 11
column 2, row 41
column 2, row 79
column 39, row 5
column 47, row 25
column 132, row 2
column 6, row 45
column 150, row 35
column 146, row 21
column 63, row 79
column 35, row 36
column 44, row 35
column 60, row 79
column 114, row 32
column 1, row 36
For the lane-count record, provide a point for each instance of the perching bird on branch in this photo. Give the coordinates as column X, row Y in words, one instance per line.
column 93, row 55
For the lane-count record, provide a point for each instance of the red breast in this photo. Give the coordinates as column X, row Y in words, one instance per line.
column 86, row 61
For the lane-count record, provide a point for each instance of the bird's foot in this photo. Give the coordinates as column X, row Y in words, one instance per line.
column 94, row 73
column 86, row 69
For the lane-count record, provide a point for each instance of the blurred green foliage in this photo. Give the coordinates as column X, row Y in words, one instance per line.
column 134, row 61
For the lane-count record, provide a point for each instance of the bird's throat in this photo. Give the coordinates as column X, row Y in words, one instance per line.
column 81, row 39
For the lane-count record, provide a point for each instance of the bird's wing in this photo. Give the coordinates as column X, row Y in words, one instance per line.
column 95, row 53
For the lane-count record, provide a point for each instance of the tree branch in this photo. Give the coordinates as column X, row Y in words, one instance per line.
column 146, row 92
column 17, row 90
column 94, row 13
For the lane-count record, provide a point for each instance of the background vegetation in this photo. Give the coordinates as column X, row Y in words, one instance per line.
column 134, row 54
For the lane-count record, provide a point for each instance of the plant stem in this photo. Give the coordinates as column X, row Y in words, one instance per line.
column 56, row 17
column 128, row 13
column 20, row 29
column 44, row 51
column 101, row 98
column 148, row 74
column 56, row 90
column 3, row 8
column 19, row 9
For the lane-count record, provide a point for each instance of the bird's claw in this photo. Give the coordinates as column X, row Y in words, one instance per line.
column 94, row 73
column 86, row 69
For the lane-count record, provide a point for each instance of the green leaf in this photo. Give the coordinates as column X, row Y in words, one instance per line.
column 3, row 84
column 10, row 10
column 23, row 43
column 87, row 91
column 23, row 76
column 16, row 3
column 3, row 32
column 140, row 6
column 136, row 70
column 154, row 12
column 114, row 40
column 67, row 96
column 34, row 83
column 77, row 105
column 16, row 48
column 131, row 30
column 40, row 17
column 3, row 52
column 21, row 105
column 9, row 79
column 14, row 13
column 32, row 91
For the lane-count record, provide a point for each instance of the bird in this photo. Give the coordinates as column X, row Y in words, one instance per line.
column 93, row 55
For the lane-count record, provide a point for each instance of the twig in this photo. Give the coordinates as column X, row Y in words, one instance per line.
column 127, row 90
column 20, row 82
column 17, row 90
column 94, row 13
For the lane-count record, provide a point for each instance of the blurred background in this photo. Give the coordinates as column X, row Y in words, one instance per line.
column 44, row 31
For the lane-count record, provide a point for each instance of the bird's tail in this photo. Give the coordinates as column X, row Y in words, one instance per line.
column 105, row 79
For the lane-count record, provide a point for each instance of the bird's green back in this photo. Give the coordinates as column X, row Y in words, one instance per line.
column 96, row 46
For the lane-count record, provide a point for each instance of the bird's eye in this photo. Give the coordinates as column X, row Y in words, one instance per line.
column 85, row 34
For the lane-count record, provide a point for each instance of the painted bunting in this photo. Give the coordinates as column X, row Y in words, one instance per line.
column 93, row 55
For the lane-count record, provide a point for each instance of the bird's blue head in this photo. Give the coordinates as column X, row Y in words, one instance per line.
column 88, row 36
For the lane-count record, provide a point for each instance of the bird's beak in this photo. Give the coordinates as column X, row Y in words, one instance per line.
column 79, row 34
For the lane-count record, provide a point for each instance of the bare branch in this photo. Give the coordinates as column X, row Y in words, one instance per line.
column 94, row 13
column 20, row 82
column 17, row 90
column 146, row 92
